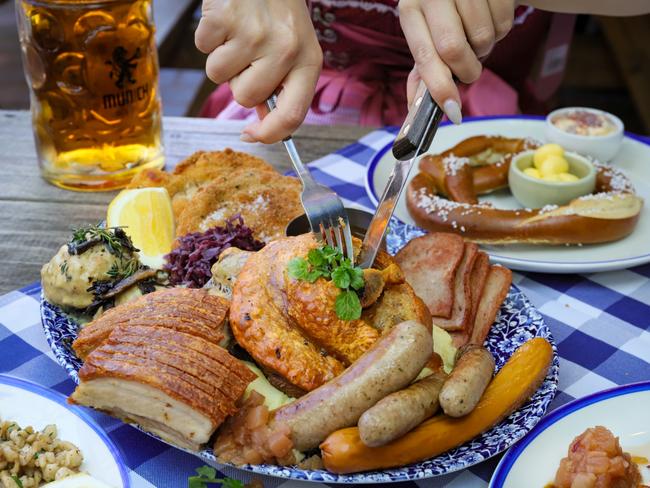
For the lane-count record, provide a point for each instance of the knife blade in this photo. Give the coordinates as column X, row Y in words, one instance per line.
column 414, row 138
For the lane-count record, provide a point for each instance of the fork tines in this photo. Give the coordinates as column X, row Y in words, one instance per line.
column 338, row 236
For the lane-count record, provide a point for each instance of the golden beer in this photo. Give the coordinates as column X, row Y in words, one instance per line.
column 92, row 68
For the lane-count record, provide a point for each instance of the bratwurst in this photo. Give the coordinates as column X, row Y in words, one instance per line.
column 399, row 412
column 467, row 381
column 392, row 362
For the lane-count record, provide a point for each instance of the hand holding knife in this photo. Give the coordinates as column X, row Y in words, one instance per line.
column 414, row 138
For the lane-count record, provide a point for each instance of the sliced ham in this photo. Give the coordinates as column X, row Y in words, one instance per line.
column 462, row 308
column 495, row 291
column 430, row 264
column 477, row 279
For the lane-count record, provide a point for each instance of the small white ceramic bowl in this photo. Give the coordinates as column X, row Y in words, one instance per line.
column 534, row 192
column 601, row 147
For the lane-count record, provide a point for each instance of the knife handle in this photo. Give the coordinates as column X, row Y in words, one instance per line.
column 417, row 131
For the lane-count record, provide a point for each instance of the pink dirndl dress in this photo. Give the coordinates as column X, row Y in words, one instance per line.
column 366, row 62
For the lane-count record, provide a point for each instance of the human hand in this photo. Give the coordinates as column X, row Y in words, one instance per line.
column 448, row 38
column 260, row 46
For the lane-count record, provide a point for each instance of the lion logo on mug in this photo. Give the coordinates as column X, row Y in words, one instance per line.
column 122, row 66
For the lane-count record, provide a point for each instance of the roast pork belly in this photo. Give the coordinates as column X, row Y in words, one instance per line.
column 176, row 385
column 187, row 310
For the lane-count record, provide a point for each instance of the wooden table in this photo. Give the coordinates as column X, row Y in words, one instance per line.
column 36, row 217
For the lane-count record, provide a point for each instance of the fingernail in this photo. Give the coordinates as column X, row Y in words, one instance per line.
column 244, row 137
column 452, row 109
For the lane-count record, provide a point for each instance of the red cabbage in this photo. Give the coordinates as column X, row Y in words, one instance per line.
column 190, row 262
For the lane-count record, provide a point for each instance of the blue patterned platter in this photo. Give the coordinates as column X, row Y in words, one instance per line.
column 517, row 322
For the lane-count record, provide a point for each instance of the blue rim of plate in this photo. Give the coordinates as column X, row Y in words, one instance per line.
column 374, row 199
column 518, row 321
column 77, row 411
column 508, row 461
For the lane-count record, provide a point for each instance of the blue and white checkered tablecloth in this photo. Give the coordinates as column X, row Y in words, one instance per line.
column 601, row 323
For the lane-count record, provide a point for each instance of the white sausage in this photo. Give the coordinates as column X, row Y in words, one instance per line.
column 399, row 412
column 467, row 381
column 390, row 364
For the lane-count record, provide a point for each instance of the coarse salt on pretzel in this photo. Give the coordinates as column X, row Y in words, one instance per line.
column 479, row 165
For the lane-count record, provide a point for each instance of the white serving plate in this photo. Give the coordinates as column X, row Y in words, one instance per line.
column 535, row 459
column 30, row 404
column 633, row 158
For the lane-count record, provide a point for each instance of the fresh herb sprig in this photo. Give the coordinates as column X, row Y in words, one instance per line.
column 123, row 268
column 329, row 263
column 115, row 239
column 206, row 475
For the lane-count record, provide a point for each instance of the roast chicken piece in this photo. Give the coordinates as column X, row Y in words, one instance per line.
column 176, row 385
column 311, row 308
column 186, row 310
column 290, row 327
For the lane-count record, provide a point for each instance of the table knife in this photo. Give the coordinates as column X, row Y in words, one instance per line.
column 414, row 138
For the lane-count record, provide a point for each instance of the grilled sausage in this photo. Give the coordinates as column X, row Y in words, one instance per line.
column 399, row 412
column 390, row 364
column 467, row 381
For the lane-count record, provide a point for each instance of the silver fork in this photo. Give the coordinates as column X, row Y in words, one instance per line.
column 323, row 207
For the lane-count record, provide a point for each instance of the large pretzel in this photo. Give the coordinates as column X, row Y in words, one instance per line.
column 442, row 198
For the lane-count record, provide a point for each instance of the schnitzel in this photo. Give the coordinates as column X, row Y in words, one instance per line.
column 208, row 188
column 266, row 200
column 195, row 172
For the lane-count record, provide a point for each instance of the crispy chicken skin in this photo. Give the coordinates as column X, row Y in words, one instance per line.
column 178, row 385
column 186, row 310
column 290, row 327
column 311, row 307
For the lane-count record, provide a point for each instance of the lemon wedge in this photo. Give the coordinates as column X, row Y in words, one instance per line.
column 147, row 218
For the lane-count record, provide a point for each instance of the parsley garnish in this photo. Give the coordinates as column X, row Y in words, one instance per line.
column 347, row 305
column 17, row 481
column 329, row 263
column 206, row 475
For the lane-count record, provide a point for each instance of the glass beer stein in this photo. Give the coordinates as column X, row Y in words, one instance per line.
column 92, row 68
